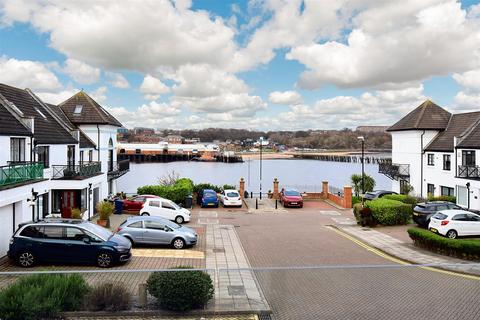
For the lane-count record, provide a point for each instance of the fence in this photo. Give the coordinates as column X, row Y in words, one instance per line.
column 335, row 191
column 309, row 292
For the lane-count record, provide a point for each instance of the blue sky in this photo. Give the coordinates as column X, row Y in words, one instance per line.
column 268, row 65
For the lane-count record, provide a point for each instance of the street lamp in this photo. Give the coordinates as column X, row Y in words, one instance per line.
column 261, row 146
column 468, row 195
column 32, row 202
column 362, row 138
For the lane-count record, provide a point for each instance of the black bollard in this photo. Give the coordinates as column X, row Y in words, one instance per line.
column 276, row 204
column 256, row 203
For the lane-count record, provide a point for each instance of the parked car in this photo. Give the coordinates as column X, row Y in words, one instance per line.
column 157, row 230
column 422, row 212
column 230, row 198
column 134, row 205
column 166, row 209
column 209, row 198
column 65, row 241
column 455, row 223
column 375, row 194
column 291, row 198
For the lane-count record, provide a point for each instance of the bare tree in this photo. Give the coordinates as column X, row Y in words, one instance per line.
column 169, row 179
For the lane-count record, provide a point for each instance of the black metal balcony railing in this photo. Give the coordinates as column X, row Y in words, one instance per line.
column 118, row 169
column 79, row 172
column 18, row 172
column 395, row 171
column 469, row 172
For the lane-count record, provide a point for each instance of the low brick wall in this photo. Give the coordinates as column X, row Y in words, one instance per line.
column 336, row 199
column 312, row 195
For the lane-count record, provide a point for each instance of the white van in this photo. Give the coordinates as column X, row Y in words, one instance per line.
column 166, row 209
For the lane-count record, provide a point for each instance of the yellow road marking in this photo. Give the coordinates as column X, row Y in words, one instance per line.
column 168, row 253
column 396, row 260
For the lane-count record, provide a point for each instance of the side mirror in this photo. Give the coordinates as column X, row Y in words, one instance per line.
column 86, row 240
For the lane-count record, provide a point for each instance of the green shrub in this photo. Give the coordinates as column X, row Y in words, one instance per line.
column 442, row 198
column 228, row 187
column 109, row 296
column 402, row 198
column 177, row 192
column 105, row 209
column 356, row 200
column 390, row 212
column 201, row 186
column 42, row 296
column 462, row 248
column 357, row 207
column 181, row 290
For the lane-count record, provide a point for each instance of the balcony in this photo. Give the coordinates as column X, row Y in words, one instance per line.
column 118, row 169
column 395, row 171
column 76, row 172
column 468, row 172
column 20, row 172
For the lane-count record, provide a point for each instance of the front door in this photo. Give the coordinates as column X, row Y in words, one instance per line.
column 68, row 200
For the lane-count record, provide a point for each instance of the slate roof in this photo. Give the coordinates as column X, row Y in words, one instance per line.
column 10, row 125
column 91, row 113
column 472, row 137
column 427, row 116
column 47, row 130
column 458, row 125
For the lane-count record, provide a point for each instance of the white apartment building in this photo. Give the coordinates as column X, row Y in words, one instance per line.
column 53, row 158
column 437, row 153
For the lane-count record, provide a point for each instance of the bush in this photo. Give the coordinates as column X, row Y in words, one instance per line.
column 105, row 209
column 109, row 296
column 390, row 212
column 402, row 198
column 356, row 211
column 461, row 248
column 356, row 200
column 201, row 186
column 442, row 198
column 177, row 192
column 228, row 187
column 181, row 290
column 42, row 296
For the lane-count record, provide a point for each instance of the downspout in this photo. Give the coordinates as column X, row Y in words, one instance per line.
column 421, row 164
column 98, row 143
column 32, row 159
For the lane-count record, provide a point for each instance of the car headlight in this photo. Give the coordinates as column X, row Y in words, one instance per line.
column 191, row 235
column 121, row 248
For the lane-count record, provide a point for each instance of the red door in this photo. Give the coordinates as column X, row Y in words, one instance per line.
column 68, row 201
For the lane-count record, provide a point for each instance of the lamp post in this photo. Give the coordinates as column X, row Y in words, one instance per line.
column 261, row 146
column 362, row 138
column 32, row 202
column 468, row 195
column 89, row 194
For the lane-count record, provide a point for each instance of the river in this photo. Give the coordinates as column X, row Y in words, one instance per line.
column 304, row 175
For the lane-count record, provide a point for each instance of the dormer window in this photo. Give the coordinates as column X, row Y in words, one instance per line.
column 78, row 109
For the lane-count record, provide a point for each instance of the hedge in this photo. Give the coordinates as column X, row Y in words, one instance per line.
column 177, row 192
column 461, row 248
column 356, row 200
column 389, row 212
column 402, row 198
column 202, row 186
column 443, row 198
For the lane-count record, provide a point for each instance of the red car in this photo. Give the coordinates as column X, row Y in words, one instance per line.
column 135, row 204
column 291, row 198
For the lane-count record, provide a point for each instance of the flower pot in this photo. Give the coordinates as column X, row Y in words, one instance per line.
column 103, row 222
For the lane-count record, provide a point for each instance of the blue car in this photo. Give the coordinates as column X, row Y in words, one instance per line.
column 209, row 198
column 67, row 241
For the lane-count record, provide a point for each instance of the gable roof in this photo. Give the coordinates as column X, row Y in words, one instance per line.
column 471, row 139
column 427, row 116
column 458, row 125
column 91, row 112
column 47, row 129
column 10, row 125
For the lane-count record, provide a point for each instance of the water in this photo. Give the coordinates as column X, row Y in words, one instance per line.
column 305, row 175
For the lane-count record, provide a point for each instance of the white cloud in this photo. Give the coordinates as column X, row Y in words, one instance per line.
column 99, row 95
column 468, row 98
column 117, row 80
column 56, row 97
column 154, row 114
column 81, row 72
column 27, row 74
column 286, row 97
column 470, row 79
column 152, row 88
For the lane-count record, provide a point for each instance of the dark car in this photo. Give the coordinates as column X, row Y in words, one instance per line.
column 291, row 198
column 424, row 211
column 375, row 194
column 67, row 241
column 209, row 198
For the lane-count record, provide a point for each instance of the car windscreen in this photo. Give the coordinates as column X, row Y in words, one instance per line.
column 99, row 231
column 292, row 193
column 440, row 216
column 232, row 194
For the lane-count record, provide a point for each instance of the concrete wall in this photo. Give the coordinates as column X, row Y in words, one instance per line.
column 436, row 175
column 5, row 149
column 106, row 132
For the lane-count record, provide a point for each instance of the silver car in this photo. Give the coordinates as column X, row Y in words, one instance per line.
column 156, row 230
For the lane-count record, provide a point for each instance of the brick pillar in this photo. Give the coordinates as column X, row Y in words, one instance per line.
column 242, row 187
column 275, row 189
column 325, row 189
column 347, row 197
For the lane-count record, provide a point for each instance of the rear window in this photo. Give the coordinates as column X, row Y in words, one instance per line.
column 440, row 216
column 209, row 194
column 232, row 194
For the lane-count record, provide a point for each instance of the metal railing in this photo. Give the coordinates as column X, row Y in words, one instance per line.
column 118, row 168
column 471, row 172
column 394, row 171
column 20, row 172
column 305, row 187
column 80, row 171
column 336, row 191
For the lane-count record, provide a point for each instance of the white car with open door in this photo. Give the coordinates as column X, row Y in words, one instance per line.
column 166, row 209
column 230, row 198
column 455, row 223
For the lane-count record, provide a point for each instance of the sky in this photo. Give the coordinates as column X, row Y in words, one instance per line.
column 257, row 64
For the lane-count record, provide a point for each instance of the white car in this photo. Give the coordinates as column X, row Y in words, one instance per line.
column 166, row 209
column 455, row 223
column 230, row 198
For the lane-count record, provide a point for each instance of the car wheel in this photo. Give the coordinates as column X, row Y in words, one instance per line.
column 104, row 260
column 131, row 241
column 178, row 243
column 452, row 234
column 26, row 259
column 179, row 219
column 145, row 214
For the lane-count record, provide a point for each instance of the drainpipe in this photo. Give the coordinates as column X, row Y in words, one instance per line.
column 421, row 164
column 32, row 160
column 98, row 143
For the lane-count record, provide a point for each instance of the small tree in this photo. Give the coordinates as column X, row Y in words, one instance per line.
column 369, row 183
column 356, row 180
column 169, row 179
column 406, row 189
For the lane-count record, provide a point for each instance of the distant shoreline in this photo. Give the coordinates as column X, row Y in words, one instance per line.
column 290, row 154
